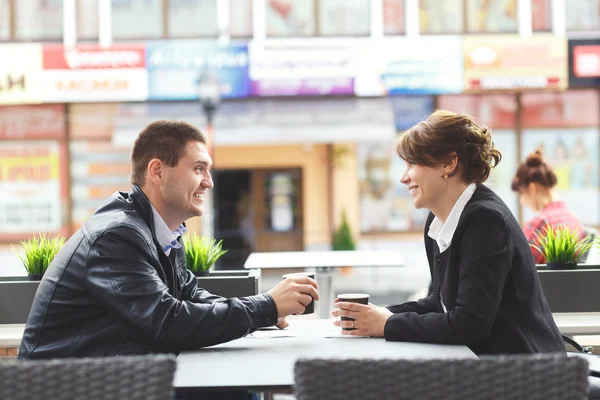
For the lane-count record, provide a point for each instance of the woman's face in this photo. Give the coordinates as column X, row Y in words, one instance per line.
column 528, row 197
column 425, row 184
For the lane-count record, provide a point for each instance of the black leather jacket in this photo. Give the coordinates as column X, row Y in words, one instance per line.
column 112, row 290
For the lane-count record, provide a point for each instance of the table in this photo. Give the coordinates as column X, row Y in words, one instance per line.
column 324, row 262
column 578, row 323
column 268, row 364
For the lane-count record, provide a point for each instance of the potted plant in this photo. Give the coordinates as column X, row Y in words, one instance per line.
column 562, row 246
column 37, row 253
column 201, row 253
column 342, row 237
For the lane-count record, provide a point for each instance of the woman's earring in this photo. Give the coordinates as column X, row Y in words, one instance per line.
column 445, row 176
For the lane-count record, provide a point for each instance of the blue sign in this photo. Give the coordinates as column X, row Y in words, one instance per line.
column 410, row 110
column 175, row 66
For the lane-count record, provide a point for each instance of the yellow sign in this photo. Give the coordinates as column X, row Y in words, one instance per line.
column 509, row 62
column 20, row 73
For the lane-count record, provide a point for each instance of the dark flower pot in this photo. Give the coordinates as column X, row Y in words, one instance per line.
column 560, row 265
column 202, row 273
column 35, row 277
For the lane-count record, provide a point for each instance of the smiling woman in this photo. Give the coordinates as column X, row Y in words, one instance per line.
column 485, row 290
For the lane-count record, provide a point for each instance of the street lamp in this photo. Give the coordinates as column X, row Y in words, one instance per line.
column 209, row 95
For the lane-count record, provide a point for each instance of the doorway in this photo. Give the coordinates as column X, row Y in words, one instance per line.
column 257, row 210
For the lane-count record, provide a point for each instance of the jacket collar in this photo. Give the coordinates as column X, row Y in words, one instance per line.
column 137, row 198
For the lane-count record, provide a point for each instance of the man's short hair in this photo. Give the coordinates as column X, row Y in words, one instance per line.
column 165, row 140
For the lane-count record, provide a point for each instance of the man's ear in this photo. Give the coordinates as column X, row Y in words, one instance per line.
column 155, row 171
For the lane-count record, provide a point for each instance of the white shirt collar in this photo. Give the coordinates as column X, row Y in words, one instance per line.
column 442, row 232
column 166, row 238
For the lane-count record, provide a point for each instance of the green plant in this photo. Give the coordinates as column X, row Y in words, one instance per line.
column 562, row 245
column 202, row 252
column 342, row 237
column 37, row 253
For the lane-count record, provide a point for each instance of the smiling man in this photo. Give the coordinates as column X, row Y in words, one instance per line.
column 120, row 285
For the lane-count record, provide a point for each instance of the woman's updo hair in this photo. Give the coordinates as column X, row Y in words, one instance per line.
column 534, row 170
column 434, row 141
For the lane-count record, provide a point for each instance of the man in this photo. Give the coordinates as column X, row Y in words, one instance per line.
column 120, row 286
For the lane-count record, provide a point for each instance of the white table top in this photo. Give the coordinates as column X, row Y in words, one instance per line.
column 314, row 259
column 11, row 334
column 577, row 323
column 268, row 364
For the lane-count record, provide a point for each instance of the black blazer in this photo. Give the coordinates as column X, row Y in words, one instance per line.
column 489, row 285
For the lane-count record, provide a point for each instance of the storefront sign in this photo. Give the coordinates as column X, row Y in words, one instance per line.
column 90, row 73
column 30, row 196
column 45, row 121
column 424, row 65
column 174, row 68
column 310, row 67
column 584, row 63
column 410, row 110
column 20, row 72
column 504, row 63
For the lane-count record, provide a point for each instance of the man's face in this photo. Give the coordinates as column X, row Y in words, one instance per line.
column 185, row 184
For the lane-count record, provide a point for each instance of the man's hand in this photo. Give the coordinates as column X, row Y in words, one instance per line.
column 282, row 323
column 293, row 294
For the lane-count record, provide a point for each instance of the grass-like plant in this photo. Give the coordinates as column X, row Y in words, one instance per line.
column 562, row 245
column 342, row 237
column 37, row 253
column 202, row 252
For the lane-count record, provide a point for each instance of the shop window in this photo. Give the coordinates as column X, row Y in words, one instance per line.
column 565, row 126
column 281, row 200
column 240, row 18
column 498, row 113
column 393, row 17
column 137, row 19
column 290, row 18
column 4, row 20
column 541, row 15
column 344, row 18
column 189, row 18
column 582, row 15
column 485, row 16
column 441, row 16
column 39, row 20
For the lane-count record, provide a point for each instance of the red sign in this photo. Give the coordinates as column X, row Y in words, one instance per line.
column 586, row 61
column 94, row 57
column 32, row 122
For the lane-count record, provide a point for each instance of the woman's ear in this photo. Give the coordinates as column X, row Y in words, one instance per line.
column 451, row 164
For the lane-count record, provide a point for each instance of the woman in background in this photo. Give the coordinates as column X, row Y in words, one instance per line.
column 486, row 292
column 534, row 182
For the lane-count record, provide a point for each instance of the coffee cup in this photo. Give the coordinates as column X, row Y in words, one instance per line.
column 361, row 298
column 310, row 308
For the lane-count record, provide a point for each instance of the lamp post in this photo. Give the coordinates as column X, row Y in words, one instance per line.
column 209, row 95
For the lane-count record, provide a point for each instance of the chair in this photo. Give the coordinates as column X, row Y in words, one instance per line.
column 128, row 377
column 530, row 377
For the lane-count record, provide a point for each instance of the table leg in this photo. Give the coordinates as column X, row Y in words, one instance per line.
column 325, row 281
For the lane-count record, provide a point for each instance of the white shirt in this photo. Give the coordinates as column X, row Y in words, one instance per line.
column 442, row 232
column 166, row 238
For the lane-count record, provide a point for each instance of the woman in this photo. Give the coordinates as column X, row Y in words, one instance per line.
column 486, row 291
column 534, row 182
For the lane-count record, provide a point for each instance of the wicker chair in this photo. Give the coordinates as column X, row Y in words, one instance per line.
column 539, row 377
column 131, row 378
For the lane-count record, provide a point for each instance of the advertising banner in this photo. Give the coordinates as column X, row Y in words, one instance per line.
column 175, row 66
column 510, row 62
column 424, row 65
column 20, row 73
column 90, row 73
column 309, row 67
column 410, row 110
column 584, row 63
column 44, row 121
column 30, row 189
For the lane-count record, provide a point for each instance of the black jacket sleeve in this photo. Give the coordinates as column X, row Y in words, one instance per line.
column 121, row 274
column 422, row 306
column 485, row 260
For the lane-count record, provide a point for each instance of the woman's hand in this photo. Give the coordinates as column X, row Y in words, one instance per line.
column 369, row 320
